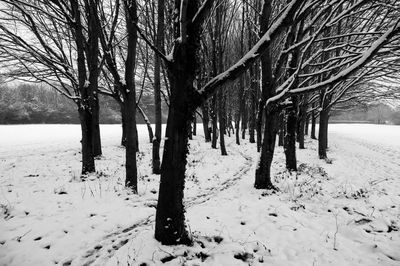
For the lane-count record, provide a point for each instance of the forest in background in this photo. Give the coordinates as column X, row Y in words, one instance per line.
column 35, row 104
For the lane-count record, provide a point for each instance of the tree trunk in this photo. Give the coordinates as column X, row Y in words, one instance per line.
column 259, row 124
column 170, row 226
column 137, row 138
column 170, row 216
column 291, row 119
column 96, row 128
column 157, row 89
column 281, row 133
column 222, row 122
column 123, row 119
column 214, row 122
column 241, row 102
column 206, row 121
column 131, row 143
column 281, row 136
column 237, row 132
column 190, row 132
column 263, row 170
column 94, row 71
column 252, row 78
column 290, row 139
column 302, row 123
column 194, row 125
column 85, row 117
column 253, row 105
column 229, row 121
column 87, row 83
column 241, row 98
column 148, row 124
column 129, row 95
column 244, row 118
column 313, row 122
column 307, row 125
column 323, row 133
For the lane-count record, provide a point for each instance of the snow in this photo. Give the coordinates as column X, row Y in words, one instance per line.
column 87, row 84
column 344, row 212
column 386, row 135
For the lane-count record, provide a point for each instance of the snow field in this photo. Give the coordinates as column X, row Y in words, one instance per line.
column 343, row 213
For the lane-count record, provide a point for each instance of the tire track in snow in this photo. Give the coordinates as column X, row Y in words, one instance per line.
column 373, row 160
column 112, row 242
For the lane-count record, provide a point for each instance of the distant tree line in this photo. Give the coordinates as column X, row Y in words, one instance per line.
column 372, row 113
column 36, row 104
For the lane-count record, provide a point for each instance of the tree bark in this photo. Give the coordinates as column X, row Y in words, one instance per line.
column 301, row 133
column 96, row 128
column 290, row 139
column 259, row 124
column 157, row 89
column 302, row 122
column 129, row 94
column 88, row 72
column 123, row 122
column 244, row 117
column 281, row 136
column 214, row 122
column 170, row 226
column 206, row 121
column 85, row 118
column 195, row 125
column 222, row 122
column 323, row 133
column 263, row 170
column 252, row 77
column 237, row 132
column 313, row 122
column 131, row 143
column 281, row 126
column 307, row 125
column 94, row 71
column 241, row 98
column 190, row 132
column 253, row 104
column 240, row 114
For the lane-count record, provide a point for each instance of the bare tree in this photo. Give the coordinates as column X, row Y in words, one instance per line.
column 57, row 43
column 124, row 87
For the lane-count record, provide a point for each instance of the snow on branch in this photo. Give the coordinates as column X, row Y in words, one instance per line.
column 255, row 52
column 365, row 58
column 202, row 12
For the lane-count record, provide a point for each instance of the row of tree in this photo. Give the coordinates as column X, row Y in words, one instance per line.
column 33, row 104
column 265, row 67
column 373, row 113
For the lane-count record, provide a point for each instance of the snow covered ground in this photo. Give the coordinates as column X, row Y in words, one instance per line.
column 343, row 213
